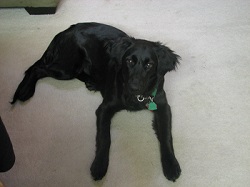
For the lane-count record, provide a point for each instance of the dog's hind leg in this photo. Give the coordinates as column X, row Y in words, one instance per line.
column 62, row 60
column 26, row 88
column 65, row 58
column 45, row 67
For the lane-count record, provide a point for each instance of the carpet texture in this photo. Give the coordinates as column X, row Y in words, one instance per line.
column 53, row 133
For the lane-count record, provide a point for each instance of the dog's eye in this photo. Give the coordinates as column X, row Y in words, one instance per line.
column 130, row 62
column 149, row 65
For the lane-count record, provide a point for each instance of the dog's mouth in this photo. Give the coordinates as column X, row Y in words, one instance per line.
column 140, row 91
column 135, row 90
column 141, row 95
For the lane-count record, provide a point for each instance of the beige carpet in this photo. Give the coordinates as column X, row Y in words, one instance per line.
column 53, row 134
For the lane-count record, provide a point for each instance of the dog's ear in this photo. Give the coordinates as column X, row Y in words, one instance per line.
column 117, row 48
column 167, row 59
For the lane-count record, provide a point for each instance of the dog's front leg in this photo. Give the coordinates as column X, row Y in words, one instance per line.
column 162, row 125
column 104, row 114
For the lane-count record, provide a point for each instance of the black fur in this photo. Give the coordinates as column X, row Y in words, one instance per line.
column 118, row 66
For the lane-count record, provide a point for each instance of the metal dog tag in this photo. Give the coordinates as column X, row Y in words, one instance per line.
column 152, row 106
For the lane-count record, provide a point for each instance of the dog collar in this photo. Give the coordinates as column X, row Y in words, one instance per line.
column 151, row 105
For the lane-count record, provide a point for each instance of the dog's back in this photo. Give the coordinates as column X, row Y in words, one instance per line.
column 78, row 52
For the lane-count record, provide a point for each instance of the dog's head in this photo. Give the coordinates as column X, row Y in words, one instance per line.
column 142, row 63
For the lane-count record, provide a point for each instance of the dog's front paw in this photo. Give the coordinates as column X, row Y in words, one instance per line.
column 99, row 168
column 171, row 168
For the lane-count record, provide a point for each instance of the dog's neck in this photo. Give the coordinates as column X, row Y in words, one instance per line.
column 151, row 105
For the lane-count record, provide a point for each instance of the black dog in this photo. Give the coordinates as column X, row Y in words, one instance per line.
column 128, row 72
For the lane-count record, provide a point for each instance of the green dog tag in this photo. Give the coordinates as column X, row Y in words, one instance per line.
column 152, row 106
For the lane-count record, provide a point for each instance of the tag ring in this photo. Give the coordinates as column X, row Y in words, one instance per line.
column 140, row 98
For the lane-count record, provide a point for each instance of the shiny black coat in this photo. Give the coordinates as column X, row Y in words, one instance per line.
column 122, row 69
